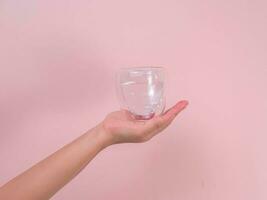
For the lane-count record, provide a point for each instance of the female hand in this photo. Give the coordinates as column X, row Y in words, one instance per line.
column 121, row 127
column 45, row 178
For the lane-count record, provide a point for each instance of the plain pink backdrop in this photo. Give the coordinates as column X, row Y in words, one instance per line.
column 57, row 65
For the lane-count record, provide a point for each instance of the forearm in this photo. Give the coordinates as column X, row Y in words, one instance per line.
column 44, row 179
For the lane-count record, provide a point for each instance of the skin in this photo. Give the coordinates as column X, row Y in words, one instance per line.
column 44, row 179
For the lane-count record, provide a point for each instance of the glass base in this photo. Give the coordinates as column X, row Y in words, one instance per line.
column 144, row 117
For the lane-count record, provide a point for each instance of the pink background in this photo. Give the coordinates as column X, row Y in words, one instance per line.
column 57, row 64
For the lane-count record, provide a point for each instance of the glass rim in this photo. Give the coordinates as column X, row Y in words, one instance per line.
column 142, row 68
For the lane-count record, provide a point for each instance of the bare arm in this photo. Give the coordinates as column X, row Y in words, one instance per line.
column 44, row 179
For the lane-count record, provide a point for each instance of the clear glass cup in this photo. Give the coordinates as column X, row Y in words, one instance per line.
column 141, row 91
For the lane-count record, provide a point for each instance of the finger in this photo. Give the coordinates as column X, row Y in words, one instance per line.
column 172, row 107
column 171, row 113
column 161, row 121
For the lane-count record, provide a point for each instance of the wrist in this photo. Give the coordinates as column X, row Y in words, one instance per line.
column 102, row 136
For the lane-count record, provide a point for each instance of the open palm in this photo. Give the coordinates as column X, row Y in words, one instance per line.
column 123, row 128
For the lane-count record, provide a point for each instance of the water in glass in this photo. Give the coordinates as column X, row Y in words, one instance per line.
column 142, row 91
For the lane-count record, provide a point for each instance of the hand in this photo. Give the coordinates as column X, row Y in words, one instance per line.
column 121, row 127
